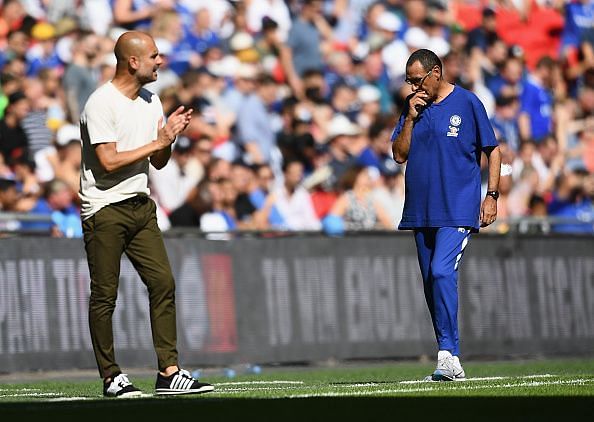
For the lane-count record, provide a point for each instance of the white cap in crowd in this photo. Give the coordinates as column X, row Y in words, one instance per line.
column 241, row 41
column 227, row 67
column 388, row 21
column 439, row 46
column 368, row 94
column 341, row 125
column 66, row 134
column 415, row 37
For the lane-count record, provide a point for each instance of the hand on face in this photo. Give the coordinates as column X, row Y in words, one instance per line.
column 416, row 103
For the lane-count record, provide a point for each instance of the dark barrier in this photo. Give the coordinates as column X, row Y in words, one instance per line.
column 300, row 299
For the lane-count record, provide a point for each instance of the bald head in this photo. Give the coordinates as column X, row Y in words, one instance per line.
column 133, row 43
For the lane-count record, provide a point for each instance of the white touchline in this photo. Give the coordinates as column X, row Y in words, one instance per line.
column 359, row 384
column 29, row 395
column 578, row 382
column 263, row 389
column 258, row 382
column 486, row 378
column 68, row 398
column 20, row 389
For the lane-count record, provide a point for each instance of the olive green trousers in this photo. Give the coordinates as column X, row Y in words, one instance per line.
column 129, row 227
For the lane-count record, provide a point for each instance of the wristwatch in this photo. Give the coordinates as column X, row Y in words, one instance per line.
column 493, row 194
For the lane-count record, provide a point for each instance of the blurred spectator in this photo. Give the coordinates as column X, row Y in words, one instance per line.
column 172, row 184
column 369, row 99
column 276, row 10
column 57, row 202
column 491, row 60
column 255, row 132
column 341, row 133
column 265, row 177
column 537, row 208
column 505, row 121
column 378, row 152
column 43, row 53
column 14, row 17
column 14, row 142
column 340, row 70
column 201, row 37
column 61, row 160
column 82, row 75
column 570, row 202
column 510, row 79
column 395, row 52
column 295, row 139
column 36, row 124
column 374, row 73
column 16, row 46
column 303, row 49
column 536, row 101
column 252, row 207
column 203, row 151
column 27, row 184
column 8, row 195
column 221, row 12
column 293, row 201
column 389, row 195
column 356, row 206
column 195, row 205
column 268, row 46
column 479, row 37
column 344, row 100
column 137, row 14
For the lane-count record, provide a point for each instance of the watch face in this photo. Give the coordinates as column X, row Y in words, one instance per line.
column 493, row 194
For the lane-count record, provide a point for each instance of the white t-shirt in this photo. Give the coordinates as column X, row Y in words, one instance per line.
column 110, row 116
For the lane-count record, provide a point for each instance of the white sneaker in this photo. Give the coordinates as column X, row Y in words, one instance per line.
column 121, row 387
column 181, row 382
column 459, row 374
column 448, row 368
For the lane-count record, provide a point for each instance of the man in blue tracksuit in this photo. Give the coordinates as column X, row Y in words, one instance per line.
column 441, row 133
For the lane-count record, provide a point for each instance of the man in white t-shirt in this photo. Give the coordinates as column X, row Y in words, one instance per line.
column 122, row 132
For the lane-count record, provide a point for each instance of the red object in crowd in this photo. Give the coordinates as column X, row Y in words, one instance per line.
column 539, row 34
column 468, row 15
column 322, row 202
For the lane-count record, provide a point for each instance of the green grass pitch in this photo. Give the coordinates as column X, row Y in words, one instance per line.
column 510, row 390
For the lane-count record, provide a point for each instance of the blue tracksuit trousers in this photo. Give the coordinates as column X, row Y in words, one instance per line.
column 439, row 250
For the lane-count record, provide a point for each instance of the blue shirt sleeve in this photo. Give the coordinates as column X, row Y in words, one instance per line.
column 399, row 126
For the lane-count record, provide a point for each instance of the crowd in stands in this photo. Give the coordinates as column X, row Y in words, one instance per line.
column 294, row 103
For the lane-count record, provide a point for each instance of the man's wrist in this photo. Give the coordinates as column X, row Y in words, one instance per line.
column 493, row 194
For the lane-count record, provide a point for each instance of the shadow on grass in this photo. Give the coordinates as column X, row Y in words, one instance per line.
column 308, row 409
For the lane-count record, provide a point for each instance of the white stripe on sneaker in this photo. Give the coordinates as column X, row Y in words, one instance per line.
column 176, row 382
column 186, row 384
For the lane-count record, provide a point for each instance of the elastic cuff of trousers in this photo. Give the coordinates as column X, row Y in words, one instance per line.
column 111, row 372
column 167, row 364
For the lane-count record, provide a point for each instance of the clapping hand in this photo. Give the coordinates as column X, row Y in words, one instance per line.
column 176, row 124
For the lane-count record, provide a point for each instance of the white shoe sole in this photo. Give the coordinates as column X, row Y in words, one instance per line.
column 129, row 395
column 429, row 378
column 173, row 392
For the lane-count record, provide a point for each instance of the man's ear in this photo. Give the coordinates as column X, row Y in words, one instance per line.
column 436, row 68
column 133, row 62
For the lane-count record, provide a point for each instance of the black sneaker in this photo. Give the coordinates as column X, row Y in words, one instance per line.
column 120, row 386
column 180, row 382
